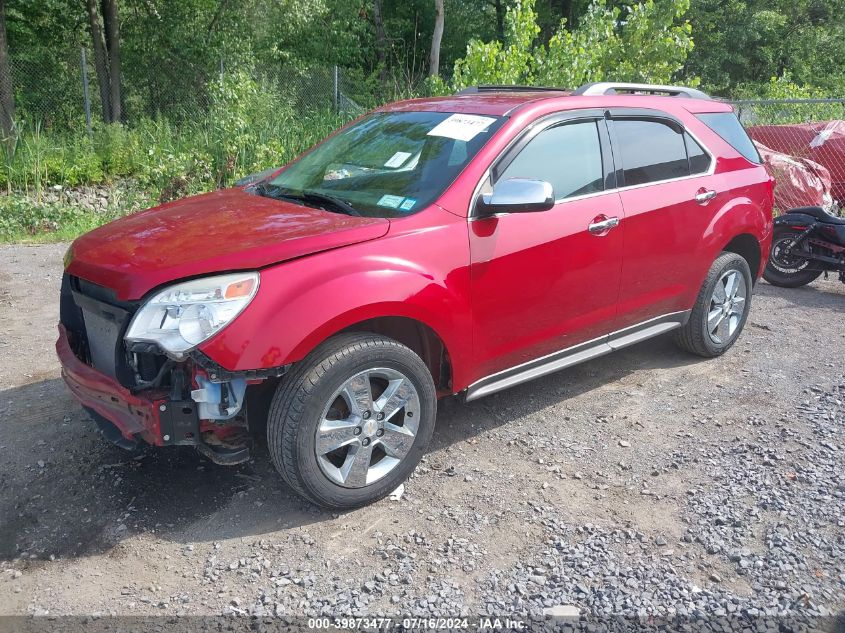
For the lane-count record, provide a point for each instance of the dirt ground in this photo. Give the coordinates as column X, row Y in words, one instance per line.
column 629, row 444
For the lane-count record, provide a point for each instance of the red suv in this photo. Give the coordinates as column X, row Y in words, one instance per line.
column 455, row 245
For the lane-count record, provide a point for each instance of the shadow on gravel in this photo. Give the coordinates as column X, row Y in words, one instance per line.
column 500, row 408
column 65, row 492
column 817, row 295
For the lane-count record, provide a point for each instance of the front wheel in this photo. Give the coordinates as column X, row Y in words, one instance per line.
column 721, row 309
column 788, row 270
column 352, row 421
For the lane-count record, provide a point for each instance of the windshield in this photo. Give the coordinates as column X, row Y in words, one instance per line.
column 389, row 164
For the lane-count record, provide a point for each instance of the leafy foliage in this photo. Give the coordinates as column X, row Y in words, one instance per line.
column 648, row 41
column 207, row 99
column 782, row 91
column 247, row 129
column 745, row 42
column 23, row 218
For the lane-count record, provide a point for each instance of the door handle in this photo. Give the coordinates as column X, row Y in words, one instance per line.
column 704, row 196
column 602, row 226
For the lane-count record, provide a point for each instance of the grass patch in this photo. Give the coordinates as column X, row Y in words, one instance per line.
column 25, row 220
column 61, row 216
column 245, row 130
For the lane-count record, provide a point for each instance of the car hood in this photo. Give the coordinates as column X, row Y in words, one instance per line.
column 222, row 231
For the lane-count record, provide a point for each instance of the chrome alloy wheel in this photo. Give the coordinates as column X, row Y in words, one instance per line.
column 368, row 427
column 727, row 306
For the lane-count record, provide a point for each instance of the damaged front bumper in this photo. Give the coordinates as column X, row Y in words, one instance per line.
column 213, row 419
column 136, row 393
column 137, row 416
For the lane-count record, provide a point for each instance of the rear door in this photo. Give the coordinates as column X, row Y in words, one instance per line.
column 668, row 193
column 542, row 282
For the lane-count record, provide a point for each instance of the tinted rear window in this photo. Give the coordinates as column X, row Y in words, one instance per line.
column 726, row 125
column 651, row 151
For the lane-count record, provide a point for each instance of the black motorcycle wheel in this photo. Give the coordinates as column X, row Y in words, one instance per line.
column 788, row 271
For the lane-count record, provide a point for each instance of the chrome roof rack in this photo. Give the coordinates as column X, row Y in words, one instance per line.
column 612, row 88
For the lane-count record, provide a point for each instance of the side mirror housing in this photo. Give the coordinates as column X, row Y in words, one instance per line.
column 517, row 195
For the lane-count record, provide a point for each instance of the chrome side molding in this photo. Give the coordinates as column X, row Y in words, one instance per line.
column 576, row 354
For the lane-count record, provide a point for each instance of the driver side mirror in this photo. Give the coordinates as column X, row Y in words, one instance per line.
column 517, row 195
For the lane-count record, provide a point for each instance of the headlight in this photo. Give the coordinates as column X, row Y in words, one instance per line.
column 184, row 315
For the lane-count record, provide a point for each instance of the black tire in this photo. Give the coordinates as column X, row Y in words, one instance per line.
column 695, row 336
column 302, row 397
column 787, row 274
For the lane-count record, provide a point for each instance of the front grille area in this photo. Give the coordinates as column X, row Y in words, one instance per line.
column 96, row 323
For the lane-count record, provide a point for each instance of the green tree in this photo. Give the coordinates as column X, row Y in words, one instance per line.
column 106, row 56
column 436, row 39
column 510, row 62
column 648, row 41
column 742, row 42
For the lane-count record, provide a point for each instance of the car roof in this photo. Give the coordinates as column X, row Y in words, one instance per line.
column 493, row 102
column 489, row 102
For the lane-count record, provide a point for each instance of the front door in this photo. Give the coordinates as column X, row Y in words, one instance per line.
column 545, row 281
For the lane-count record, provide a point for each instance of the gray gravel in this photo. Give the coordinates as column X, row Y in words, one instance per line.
column 772, row 514
column 647, row 484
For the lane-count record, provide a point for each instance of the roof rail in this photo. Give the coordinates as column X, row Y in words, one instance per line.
column 611, row 88
column 494, row 88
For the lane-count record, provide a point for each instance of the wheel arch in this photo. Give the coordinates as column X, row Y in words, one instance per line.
column 419, row 337
column 442, row 356
column 748, row 247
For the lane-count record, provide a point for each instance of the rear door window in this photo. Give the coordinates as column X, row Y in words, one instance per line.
column 651, row 151
column 568, row 156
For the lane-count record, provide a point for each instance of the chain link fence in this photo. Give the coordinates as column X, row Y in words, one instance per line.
column 70, row 96
column 53, row 100
column 802, row 142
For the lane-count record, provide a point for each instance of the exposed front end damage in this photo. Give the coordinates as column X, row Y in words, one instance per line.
column 135, row 393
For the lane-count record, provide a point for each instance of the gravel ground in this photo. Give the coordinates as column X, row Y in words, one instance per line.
column 646, row 483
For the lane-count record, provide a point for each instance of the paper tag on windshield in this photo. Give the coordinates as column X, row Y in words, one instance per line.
column 397, row 160
column 389, row 201
column 462, row 127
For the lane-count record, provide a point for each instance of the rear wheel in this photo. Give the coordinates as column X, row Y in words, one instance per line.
column 720, row 310
column 352, row 421
column 788, row 270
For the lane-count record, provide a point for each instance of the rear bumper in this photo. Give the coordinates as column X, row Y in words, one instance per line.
column 137, row 417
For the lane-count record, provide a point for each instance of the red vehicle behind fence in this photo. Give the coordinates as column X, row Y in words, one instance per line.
column 822, row 142
column 799, row 182
column 455, row 245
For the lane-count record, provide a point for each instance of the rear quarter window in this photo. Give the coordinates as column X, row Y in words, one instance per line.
column 727, row 126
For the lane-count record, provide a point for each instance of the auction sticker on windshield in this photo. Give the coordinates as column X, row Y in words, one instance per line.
column 390, row 202
column 462, row 127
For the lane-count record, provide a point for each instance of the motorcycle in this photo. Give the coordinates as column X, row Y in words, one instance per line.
column 807, row 242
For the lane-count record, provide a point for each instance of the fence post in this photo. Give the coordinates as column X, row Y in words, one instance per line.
column 335, row 92
column 85, row 97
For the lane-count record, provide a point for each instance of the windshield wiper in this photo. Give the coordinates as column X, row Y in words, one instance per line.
column 314, row 197
column 337, row 203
